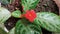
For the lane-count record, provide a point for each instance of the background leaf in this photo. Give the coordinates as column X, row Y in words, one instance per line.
column 29, row 4
column 12, row 31
column 2, row 29
column 4, row 2
column 4, row 14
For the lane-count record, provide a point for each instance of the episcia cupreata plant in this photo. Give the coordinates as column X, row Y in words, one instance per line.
column 31, row 22
column 47, row 20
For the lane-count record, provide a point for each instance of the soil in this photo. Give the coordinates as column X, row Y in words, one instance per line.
column 47, row 6
column 43, row 5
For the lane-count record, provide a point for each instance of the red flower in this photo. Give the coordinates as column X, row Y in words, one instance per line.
column 30, row 15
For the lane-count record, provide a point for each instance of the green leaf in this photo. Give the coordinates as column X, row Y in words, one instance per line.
column 4, row 2
column 16, row 13
column 29, row 4
column 2, row 31
column 4, row 14
column 25, row 27
column 49, row 21
column 12, row 31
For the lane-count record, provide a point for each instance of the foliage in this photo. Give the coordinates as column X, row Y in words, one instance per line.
column 24, row 27
column 4, row 15
column 49, row 21
column 12, row 31
column 4, row 2
column 29, row 4
column 16, row 14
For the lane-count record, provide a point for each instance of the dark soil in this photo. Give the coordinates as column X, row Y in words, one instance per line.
column 44, row 5
column 47, row 6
